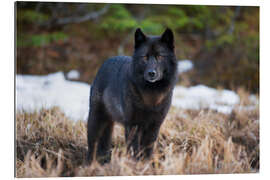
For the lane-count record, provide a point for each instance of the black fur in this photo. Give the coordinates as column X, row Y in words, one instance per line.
column 134, row 91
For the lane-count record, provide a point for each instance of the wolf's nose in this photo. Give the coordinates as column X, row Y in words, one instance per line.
column 152, row 73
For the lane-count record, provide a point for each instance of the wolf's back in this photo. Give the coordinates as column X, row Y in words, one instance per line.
column 111, row 72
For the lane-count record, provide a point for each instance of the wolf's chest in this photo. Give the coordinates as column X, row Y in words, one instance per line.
column 153, row 99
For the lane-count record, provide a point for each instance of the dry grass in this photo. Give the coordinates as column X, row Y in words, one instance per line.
column 190, row 142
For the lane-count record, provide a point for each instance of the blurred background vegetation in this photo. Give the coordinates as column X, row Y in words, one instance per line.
column 222, row 42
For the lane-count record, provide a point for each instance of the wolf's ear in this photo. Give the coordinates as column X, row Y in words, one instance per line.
column 167, row 37
column 139, row 37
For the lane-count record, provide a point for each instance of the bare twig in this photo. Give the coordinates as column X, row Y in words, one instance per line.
column 236, row 14
column 79, row 19
column 58, row 154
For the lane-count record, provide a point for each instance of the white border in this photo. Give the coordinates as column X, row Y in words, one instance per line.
column 7, row 86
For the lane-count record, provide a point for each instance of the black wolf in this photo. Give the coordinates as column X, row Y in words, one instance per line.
column 135, row 91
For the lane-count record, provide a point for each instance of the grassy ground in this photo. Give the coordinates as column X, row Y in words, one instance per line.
column 190, row 142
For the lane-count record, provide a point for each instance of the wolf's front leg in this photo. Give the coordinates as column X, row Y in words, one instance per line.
column 149, row 136
column 133, row 137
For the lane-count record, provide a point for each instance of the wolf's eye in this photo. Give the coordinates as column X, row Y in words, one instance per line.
column 144, row 58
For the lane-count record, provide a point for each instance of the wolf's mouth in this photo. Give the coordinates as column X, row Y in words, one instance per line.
column 152, row 80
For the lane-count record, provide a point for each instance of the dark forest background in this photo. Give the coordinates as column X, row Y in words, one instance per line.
column 222, row 42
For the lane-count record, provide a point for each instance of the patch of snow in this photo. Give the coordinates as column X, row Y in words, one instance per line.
column 184, row 66
column 36, row 92
column 73, row 74
column 253, row 99
column 201, row 97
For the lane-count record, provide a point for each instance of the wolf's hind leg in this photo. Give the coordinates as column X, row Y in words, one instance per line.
column 104, row 144
column 95, row 128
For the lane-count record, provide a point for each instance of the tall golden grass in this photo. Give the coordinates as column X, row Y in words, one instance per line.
column 48, row 144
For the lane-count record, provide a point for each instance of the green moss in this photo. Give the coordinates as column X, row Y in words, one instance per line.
column 151, row 27
column 119, row 19
column 32, row 16
column 37, row 40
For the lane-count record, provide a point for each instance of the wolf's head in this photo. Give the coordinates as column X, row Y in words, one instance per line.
column 154, row 58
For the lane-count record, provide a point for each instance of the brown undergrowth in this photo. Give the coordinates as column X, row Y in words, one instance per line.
column 190, row 142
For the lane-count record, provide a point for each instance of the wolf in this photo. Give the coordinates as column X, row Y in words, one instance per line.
column 134, row 91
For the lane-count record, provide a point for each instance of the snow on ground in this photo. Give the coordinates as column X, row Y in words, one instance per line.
column 36, row 92
column 200, row 97
column 73, row 74
column 184, row 66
